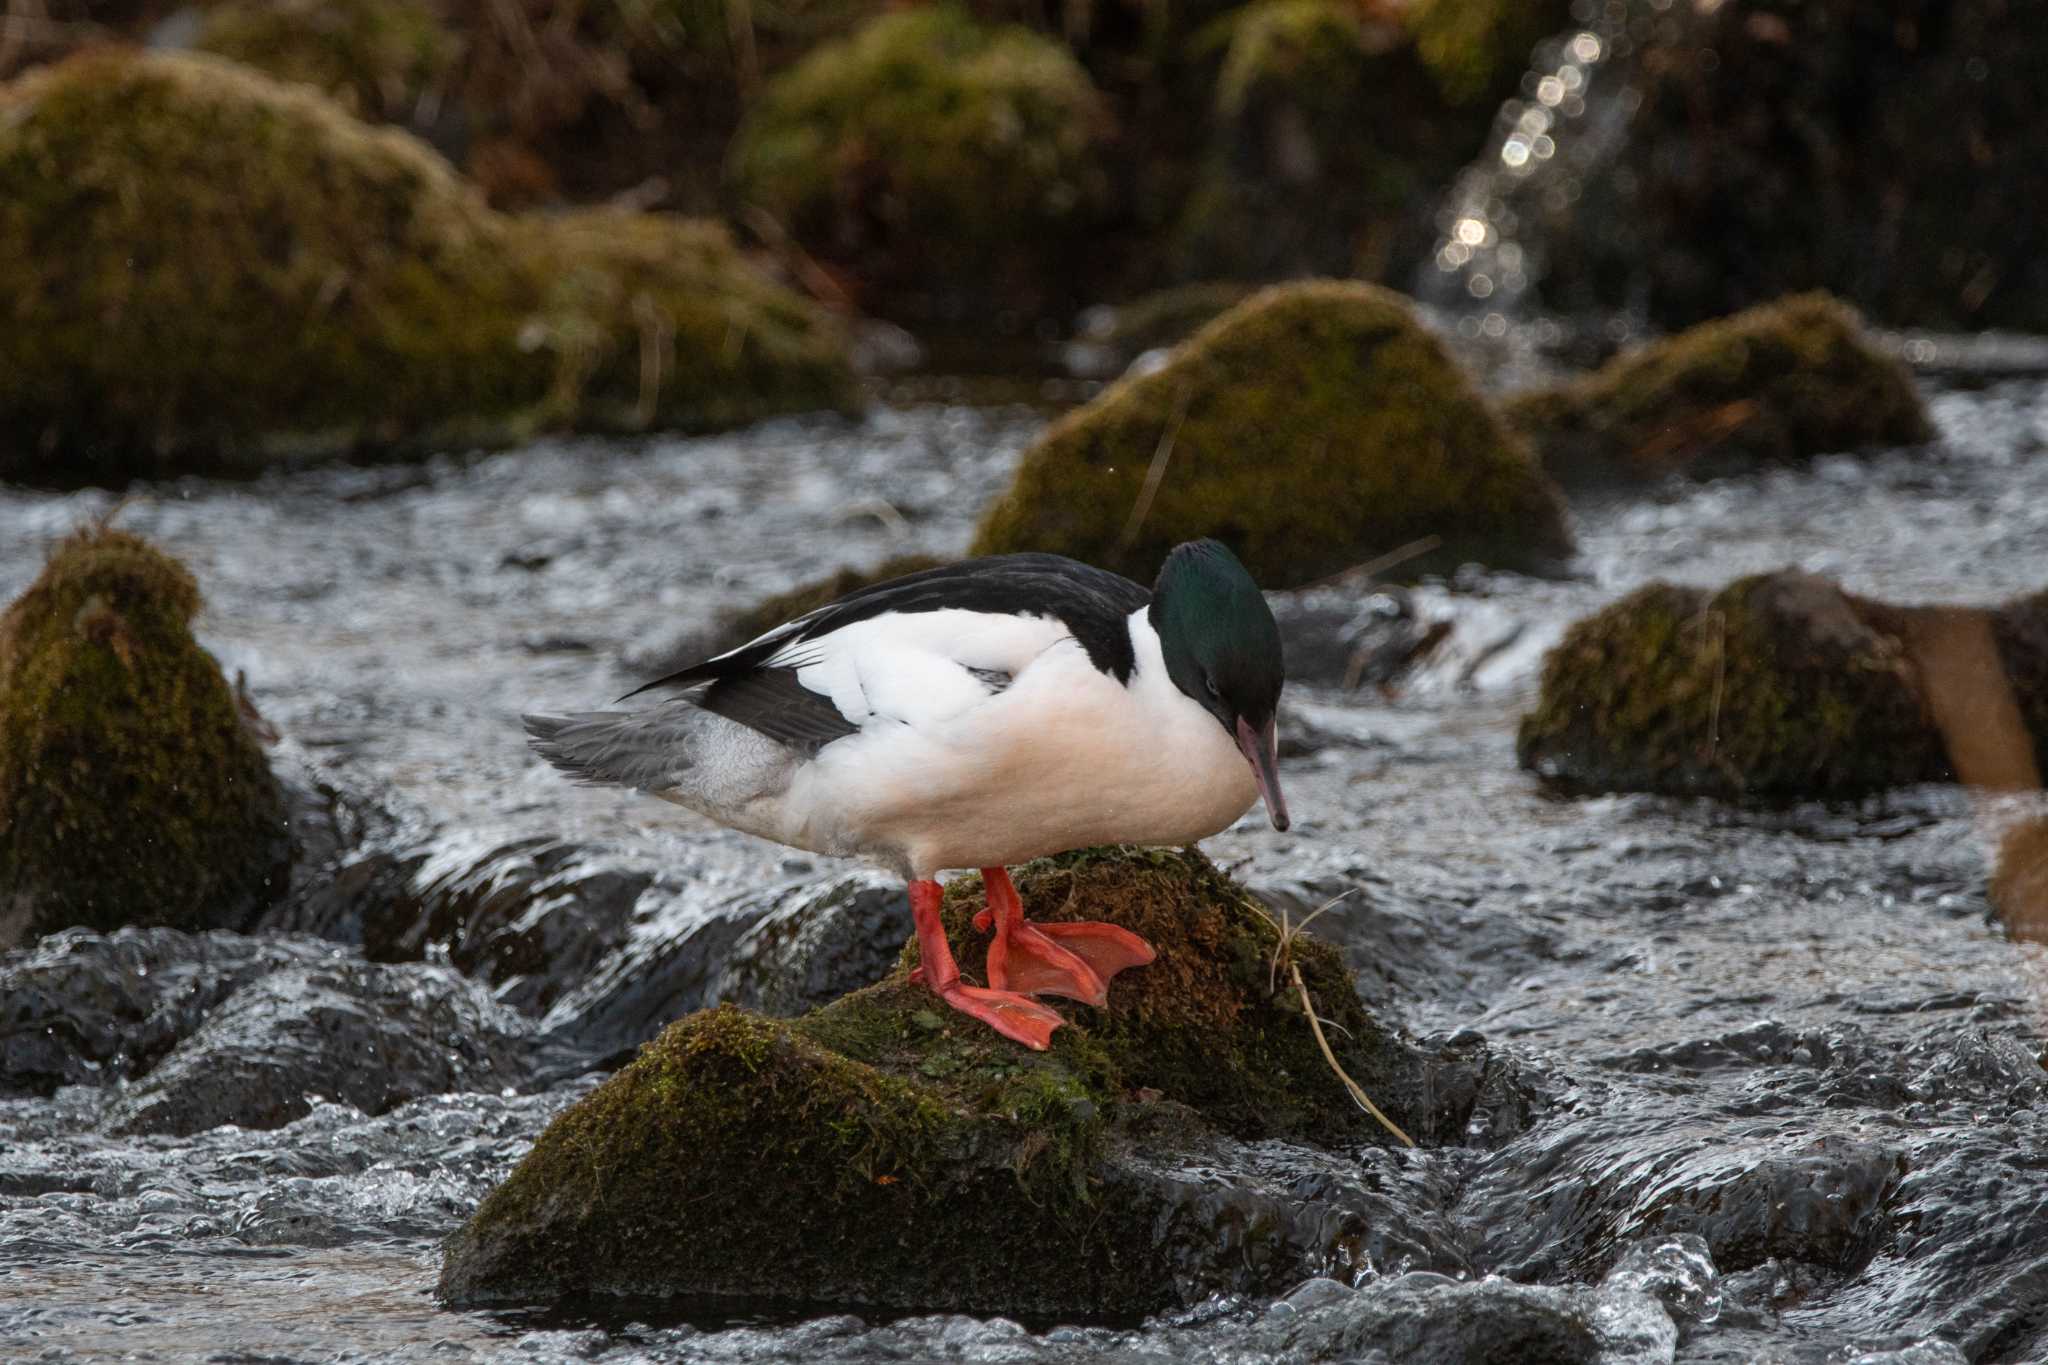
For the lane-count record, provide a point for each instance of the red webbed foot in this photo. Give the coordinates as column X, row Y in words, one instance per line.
column 1009, row 1013
column 1048, row 958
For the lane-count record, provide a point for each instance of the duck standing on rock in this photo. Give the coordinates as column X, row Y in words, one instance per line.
column 979, row 714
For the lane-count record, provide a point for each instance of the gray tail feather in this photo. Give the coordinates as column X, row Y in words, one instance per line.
column 642, row 749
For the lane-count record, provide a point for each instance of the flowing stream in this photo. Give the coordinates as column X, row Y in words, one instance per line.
column 1792, row 1097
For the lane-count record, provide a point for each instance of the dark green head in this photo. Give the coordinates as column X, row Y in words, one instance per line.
column 1222, row 648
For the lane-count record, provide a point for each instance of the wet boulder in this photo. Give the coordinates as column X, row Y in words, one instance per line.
column 882, row 1150
column 202, row 268
column 1775, row 384
column 1776, row 686
column 81, row 1008
column 1110, row 338
column 132, row 789
column 357, row 1033
column 1311, row 428
column 1892, row 151
column 944, row 162
column 2019, row 630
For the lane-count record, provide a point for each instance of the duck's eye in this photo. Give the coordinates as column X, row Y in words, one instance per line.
column 1210, row 683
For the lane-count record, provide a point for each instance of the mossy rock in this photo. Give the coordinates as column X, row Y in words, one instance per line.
column 131, row 791
column 1779, row 383
column 201, row 267
column 377, row 58
column 656, row 322
column 883, row 1150
column 929, row 153
column 1779, row 686
column 1311, row 428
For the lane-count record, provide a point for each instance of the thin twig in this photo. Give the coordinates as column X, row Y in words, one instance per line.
column 1156, row 472
column 1373, row 568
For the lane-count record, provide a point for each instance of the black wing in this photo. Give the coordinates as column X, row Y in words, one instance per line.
column 1092, row 603
column 772, row 701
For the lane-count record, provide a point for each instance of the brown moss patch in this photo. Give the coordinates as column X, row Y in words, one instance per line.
column 130, row 790
column 1779, row 383
column 1311, row 428
column 1777, row 686
column 379, row 59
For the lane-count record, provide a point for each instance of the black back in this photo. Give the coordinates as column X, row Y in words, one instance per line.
column 1093, row 604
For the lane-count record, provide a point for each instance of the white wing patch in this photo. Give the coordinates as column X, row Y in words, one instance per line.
column 913, row 667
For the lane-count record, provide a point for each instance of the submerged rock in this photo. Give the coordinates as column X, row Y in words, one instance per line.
column 1313, row 427
column 930, row 152
column 2020, row 631
column 1779, row 383
column 881, row 1150
column 1778, row 685
column 203, row 267
column 132, row 791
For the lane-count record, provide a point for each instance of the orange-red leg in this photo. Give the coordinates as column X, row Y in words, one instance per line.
column 1051, row 958
column 1007, row 1012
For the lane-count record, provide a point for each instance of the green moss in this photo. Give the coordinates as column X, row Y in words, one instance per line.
column 1308, row 51
column 1783, row 382
column 930, row 150
column 1167, row 317
column 2020, row 628
column 657, row 322
column 884, row 1149
column 1313, row 427
column 376, row 58
column 1775, row 687
column 130, row 790
column 1478, row 49
column 200, row 266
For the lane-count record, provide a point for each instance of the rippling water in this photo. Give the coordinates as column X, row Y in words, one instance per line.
column 1792, row 1101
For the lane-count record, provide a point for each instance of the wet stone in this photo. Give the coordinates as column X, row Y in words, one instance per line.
column 362, row 1034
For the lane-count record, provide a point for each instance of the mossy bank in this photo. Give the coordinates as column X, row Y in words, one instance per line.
column 883, row 1150
column 131, row 791
column 203, row 268
column 1311, row 428
column 1775, row 384
column 1778, row 686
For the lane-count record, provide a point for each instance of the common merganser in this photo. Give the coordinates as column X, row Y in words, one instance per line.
column 979, row 714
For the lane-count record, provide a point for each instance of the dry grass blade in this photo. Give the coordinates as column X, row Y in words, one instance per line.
column 1156, row 472
column 1287, row 933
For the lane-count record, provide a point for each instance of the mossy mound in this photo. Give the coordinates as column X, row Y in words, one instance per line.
column 131, row 791
column 931, row 153
column 201, row 267
column 884, row 1150
column 1779, row 383
column 1777, row 686
column 1311, row 428
column 377, row 58
column 1476, row 48
column 657, row 322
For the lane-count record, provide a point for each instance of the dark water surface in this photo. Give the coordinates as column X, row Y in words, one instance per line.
column 1790, row 1098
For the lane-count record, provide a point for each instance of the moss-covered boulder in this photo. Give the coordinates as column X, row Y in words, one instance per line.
column 131, row 791
column 200, row 266
column 1778, row 383
column 1311, row 428
column 1776, row 686
column 379, row 59
column 943, row 162
column 883, row 1150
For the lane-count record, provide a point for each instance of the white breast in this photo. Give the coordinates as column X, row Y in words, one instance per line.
column 1064, row 757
